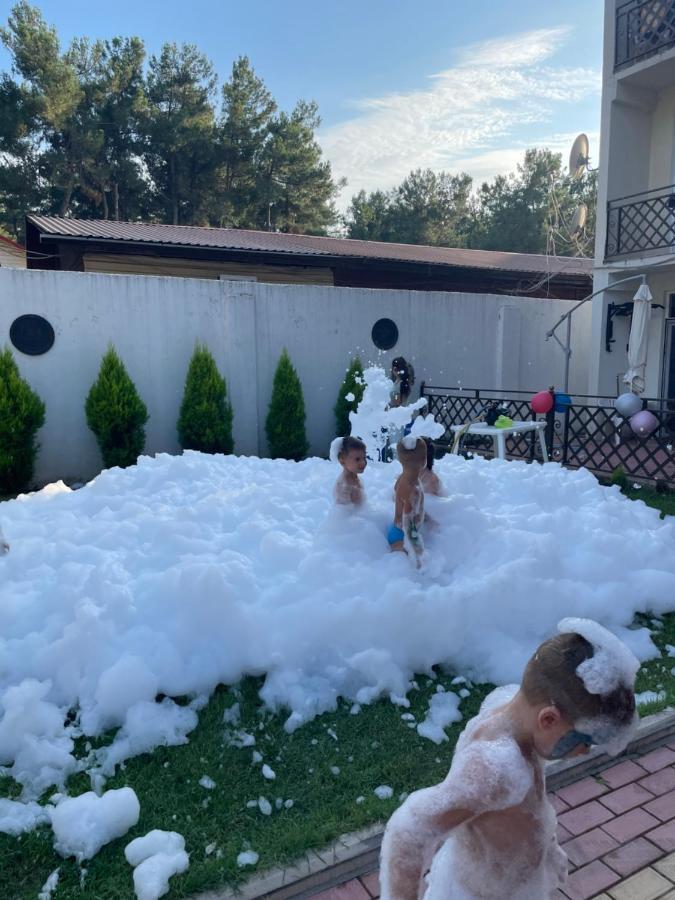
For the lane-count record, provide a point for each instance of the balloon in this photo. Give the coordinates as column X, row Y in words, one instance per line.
column 542, row 402
column 644, row 422
column 562, row 402
column 628, row 404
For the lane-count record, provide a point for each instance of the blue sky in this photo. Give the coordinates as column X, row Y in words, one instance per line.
column 449, row 84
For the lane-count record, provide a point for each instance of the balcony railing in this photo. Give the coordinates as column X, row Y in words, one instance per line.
column 643, row 27
column 641, row 223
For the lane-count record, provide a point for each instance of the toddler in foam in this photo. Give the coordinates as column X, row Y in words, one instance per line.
column 488, row 831
column 404, row 533
column 351, row 454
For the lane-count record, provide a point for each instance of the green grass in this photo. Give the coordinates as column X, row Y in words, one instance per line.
column 373, row 748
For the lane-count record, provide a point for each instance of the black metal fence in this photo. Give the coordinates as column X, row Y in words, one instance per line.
column 589, row 434
column 643, row 28
column 641, row 222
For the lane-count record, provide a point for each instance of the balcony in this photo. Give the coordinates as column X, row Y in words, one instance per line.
column 643, row 28
column 641, row 224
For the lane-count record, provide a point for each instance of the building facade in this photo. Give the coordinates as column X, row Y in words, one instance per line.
column 636, row 193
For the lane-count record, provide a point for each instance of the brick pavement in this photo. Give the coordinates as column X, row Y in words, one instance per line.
column 617, row 828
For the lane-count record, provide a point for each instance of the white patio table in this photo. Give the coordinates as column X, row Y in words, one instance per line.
column 498, row 435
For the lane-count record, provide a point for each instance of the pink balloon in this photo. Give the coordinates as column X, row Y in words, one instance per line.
column 542, row 402
column 643, row 423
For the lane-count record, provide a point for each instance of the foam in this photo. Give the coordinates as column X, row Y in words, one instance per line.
column 84, row 824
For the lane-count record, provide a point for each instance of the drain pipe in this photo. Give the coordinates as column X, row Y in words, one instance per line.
column 567, row 346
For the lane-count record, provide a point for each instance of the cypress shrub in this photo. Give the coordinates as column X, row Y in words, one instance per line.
column 22, row 412
column 352, row 385
column 116, row 414
column 205, row 420
column 285, row 424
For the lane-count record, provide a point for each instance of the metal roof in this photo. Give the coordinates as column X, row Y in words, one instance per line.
column 304, row 245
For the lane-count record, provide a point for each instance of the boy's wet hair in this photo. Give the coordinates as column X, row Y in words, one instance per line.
column 417, row 454
column 431, row 450
column 350, row 443
column 550, row 678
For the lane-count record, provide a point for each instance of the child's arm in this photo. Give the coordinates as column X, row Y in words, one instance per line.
column 413, row 835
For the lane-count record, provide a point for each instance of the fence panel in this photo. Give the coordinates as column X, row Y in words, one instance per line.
column 589, row 434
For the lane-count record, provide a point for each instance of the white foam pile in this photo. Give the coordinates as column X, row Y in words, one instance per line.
column 156, row 857
column 181, row 573
column 84, row 824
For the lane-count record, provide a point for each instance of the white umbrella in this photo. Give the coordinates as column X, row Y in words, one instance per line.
column 638, row 340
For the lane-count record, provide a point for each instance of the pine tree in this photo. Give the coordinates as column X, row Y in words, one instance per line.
column 285, row 425
column 351, row 386
column 205, row 421
column 116, row 414
column 21, row 414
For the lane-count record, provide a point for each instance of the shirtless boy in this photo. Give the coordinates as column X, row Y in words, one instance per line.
column 409, row 498
column 352, row 457
column 488, row 831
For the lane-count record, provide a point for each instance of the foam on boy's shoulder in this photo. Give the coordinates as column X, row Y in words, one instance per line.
column 499, row 697
column 490, row 774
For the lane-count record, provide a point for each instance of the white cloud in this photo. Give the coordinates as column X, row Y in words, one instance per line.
column 471, row 117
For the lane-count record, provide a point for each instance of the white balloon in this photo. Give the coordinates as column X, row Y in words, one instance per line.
column 628, row 404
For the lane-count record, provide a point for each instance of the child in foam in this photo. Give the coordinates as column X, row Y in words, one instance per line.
column 404, row 534
column 431, row 483
column 351, row 454
column 488, row 831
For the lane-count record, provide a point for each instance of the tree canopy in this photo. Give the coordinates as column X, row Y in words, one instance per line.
column 100, row 130
column 529, row 211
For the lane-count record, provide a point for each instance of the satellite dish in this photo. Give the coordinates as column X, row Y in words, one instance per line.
column 579, row 219
column 579, row 158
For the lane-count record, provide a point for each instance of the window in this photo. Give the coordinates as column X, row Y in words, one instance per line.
column 385, row 334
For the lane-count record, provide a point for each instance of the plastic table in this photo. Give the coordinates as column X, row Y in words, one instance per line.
column 498, row 435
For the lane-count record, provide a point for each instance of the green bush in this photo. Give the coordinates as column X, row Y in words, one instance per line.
column 353, row 384
column 205, row 420
column 21, row 414
column 116, row 414
column 619, row 478
column 285, row 425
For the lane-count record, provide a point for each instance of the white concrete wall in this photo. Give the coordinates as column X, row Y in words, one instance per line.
column 469, row 340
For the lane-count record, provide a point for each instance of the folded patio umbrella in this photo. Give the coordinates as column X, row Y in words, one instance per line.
column 638, row 340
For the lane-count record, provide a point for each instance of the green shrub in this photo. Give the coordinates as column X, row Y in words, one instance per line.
column 21, row 414
column 353, row 384
column 116, row 414
column 285, row 425
column 205, row 420
column 619, row 478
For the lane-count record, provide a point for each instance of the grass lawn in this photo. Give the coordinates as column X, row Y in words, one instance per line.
column 376, row 747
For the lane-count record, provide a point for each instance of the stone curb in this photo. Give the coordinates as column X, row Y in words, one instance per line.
column 355, row 854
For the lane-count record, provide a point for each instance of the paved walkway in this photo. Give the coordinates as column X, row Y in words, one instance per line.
column 617, row 828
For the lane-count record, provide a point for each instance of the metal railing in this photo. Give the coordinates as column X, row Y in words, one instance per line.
column 643, row 28
column 640, row 223
column 588, row 434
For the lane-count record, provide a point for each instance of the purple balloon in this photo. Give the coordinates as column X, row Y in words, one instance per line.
column 644, row 423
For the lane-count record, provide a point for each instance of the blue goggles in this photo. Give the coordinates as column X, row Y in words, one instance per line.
column 569, row 742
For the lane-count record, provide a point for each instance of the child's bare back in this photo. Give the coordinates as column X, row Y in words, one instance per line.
column 409, row 499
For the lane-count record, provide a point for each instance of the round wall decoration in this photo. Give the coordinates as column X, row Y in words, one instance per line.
column 385, row 334
column 32, row 334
